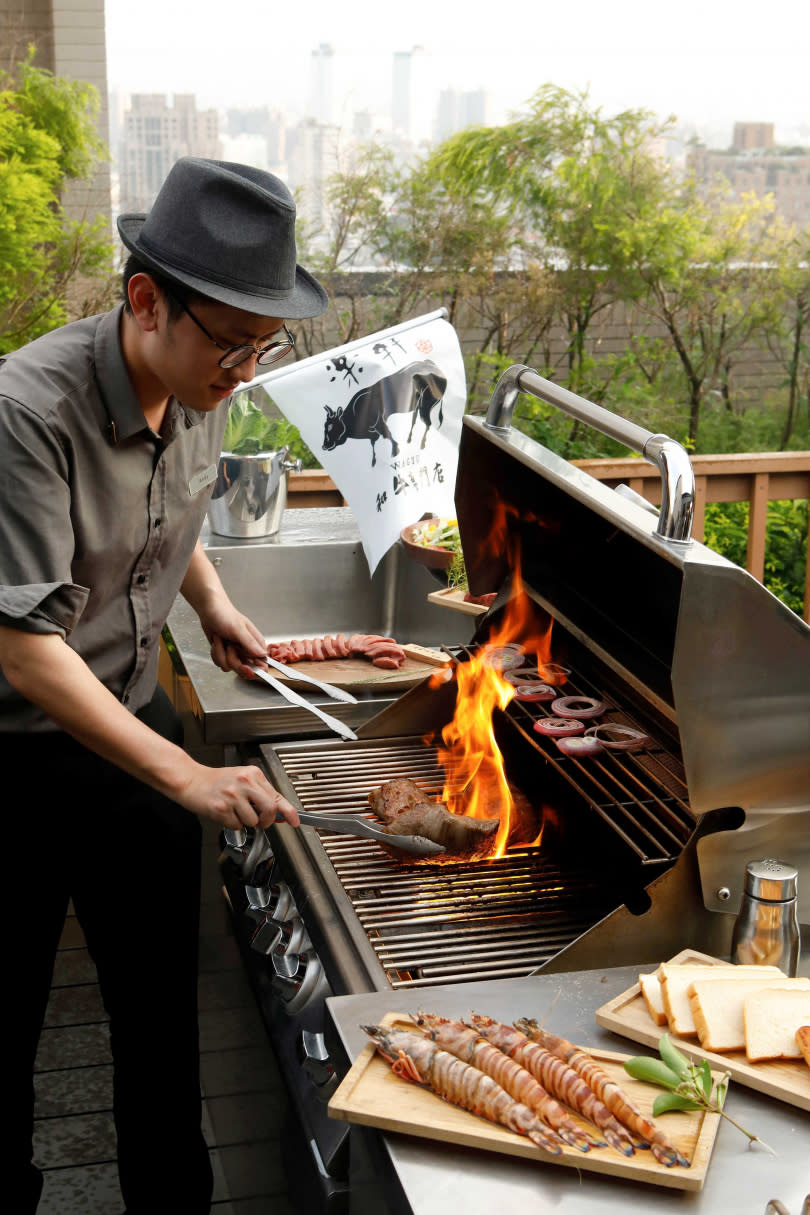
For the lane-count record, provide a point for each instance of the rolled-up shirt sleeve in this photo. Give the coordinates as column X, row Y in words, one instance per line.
column 37, row 592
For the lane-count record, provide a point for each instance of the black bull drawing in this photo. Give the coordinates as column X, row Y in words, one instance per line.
column 415, row 389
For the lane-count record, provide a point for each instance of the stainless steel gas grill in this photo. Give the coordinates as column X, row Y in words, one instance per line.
column 628, row 855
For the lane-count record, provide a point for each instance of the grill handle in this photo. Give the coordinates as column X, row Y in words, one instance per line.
column 672, row 460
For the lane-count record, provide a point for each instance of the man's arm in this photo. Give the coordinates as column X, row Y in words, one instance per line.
column 230, row 633
column 47, row 672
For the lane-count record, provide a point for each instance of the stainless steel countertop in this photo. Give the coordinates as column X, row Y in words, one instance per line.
column 437, row 1179
column 310, row 579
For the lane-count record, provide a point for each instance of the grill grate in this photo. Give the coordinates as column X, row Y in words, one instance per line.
column 641, row 795
column 436, row 923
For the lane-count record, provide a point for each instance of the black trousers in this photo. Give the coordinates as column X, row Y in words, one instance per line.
column 81, row 829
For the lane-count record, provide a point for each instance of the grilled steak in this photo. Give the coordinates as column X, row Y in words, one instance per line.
column 393, row 797
column 458, row 833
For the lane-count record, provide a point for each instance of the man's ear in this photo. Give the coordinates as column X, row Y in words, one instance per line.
column 146, row 301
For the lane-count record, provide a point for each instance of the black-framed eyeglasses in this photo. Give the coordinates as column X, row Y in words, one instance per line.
column 234, row 355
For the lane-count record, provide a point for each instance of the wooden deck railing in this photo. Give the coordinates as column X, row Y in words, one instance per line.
column 758, row 479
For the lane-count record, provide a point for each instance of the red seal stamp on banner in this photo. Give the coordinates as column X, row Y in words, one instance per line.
column 424, row 345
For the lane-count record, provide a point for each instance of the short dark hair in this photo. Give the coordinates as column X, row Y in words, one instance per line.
column 172, row 290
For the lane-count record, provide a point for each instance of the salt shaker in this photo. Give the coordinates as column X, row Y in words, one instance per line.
column 766, row 932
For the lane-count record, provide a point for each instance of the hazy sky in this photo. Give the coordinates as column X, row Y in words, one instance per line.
column 709, row 62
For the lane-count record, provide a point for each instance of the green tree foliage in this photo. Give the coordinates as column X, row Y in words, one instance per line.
column 47, row 139
column 587, row 191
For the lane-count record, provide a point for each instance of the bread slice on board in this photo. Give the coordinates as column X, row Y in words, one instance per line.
column 717, row 1007
column 675, row 979
column 651, row 991
column 771, row 1021
column 803, row 1042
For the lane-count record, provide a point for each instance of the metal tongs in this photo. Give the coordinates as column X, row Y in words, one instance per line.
column 295, row 698
column 348, row 824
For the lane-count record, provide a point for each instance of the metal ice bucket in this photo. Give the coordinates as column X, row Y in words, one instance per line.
column 250, row 493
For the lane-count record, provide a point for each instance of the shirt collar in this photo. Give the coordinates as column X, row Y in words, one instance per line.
column 119, row 397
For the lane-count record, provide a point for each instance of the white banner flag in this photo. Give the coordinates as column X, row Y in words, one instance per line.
column 383, row 416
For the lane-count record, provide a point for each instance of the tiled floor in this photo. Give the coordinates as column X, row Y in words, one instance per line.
column 245, row 1104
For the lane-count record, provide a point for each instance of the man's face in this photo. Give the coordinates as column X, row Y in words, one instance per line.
column 187, row 361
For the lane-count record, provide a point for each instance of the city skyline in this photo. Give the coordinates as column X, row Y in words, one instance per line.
column 705, row 68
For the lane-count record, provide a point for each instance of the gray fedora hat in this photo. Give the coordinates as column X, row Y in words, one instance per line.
column 226, row 231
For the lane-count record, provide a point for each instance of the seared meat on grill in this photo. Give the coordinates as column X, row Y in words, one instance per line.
column 393, row 797
column 403, row 807
column 458, row 833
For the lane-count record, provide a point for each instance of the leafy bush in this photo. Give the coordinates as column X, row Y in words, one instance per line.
column 726, row 532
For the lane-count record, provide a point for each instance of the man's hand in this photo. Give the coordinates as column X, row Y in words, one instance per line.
column 235, row 797
column 233, row 637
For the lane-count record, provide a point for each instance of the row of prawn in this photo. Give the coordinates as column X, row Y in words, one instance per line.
column 519, row 1076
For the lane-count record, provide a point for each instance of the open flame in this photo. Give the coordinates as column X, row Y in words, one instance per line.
column 475, row 780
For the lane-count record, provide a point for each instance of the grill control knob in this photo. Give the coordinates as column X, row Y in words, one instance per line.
column 297, row 980
column 266, row 935
column 294, row 939
column 259, row 890
column 280, row 905
column 314, row 1058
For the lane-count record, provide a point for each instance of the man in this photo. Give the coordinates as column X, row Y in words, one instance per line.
column 110, row 431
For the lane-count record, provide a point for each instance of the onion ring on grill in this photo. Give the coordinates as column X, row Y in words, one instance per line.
column 553, row 673
column 523, row 675
column 581, row 744
column 558, row 727
column 578, row 706
column 504, row 657
column 624, row 738
column 534, row 691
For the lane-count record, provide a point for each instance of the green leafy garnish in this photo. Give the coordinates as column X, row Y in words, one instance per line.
column 690, row 1086
column 248, row 431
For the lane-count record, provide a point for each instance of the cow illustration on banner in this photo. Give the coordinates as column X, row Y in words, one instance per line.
column 416, row 390
column 383, row 417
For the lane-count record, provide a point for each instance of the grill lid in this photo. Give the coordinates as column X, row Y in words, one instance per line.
column 705, row 643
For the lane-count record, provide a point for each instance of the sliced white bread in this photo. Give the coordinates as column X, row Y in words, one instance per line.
column 651, row 991
column 771, row 1021
column 717, row 1007
column 675, row 979
column 803, row 1042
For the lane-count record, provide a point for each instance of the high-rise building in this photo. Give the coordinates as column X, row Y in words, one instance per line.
column 750, row 135
column 754, row 165
column 312, row 157
column 413, row 95
column 156, row 134
column 458, row 109
column 69, row 39
column 322, row 101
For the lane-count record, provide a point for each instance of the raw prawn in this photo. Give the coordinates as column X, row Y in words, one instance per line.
column 607, row 1090
column 468, row 1045
column 414, row 1057
column 555, row 1076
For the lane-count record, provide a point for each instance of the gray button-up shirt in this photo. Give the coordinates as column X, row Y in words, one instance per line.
column 99, row 516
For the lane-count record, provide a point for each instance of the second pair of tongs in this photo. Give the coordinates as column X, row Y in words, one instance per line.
column 348, row 824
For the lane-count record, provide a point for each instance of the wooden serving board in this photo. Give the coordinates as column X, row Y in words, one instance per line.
column 357, row 674
column 627, row 1014
column 452, row 598
column 372, row 1095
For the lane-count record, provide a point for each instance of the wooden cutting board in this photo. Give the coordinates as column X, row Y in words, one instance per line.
column 372, row 1095
column 359, row 674
column 786, row 1079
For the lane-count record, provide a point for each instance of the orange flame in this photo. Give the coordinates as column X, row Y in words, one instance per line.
column 475, row 779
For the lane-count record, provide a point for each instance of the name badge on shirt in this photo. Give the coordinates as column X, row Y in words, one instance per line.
column 199, row 481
